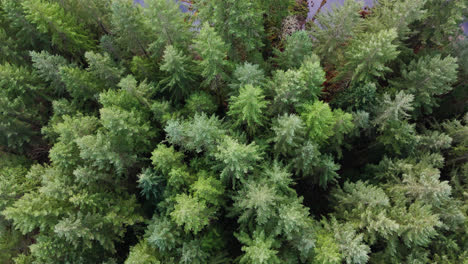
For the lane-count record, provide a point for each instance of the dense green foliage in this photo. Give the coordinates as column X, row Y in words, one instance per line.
column 233, row 133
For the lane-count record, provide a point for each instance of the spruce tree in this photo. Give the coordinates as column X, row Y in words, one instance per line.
column 233, row 131
column 65, row 31
column 213, row 51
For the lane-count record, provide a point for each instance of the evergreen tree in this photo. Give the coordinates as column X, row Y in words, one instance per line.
column 236, row 159
column 64, row 30
column 191, row 213
column 289, row 133
column 322, row 122
column 258, row 249
column 247, row 73
column 247, row 108
column 398, row 15
column 240, row 23
column 297, row 47
column 48, row 67
column 18, row 34
column 292, row 88
column 368, row 54
column 180, row 77
column 268, row 138
column 129, row 26
column 199, row 134
column 22, row 106
column 201, row 102
column 103, row 68
column 213, row 51
column 427, row 78
column 335, row 29
column 167, row 22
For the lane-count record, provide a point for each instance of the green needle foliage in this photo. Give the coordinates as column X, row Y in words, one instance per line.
column 322, row 122
column 335, row 29
column 247, row 73
column 213, row 51
column 427, row 78
column 234, row 131
column 180, row 77
column 297, row 47
column 368, row 54
column 248, row 108
column 168, row 24
column 239, row 22
column 63, row 28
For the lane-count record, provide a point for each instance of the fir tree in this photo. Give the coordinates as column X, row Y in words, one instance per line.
column 248, row 108
column 180, row 77
column 368, row 54
column 427, row 78
column 151, row 147
column 297, row 47
column 247, row 73
column 131, row 31
column 64, row 30
column 335, row 29
column 238, row 22
column 213, row 51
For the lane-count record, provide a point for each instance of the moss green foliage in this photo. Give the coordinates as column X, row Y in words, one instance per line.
column 63, row 28
column 233, row 133
column 248, row 108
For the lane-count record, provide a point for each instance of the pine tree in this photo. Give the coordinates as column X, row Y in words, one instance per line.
column 352, row 246
column 129, row 26
column 395, row 110
column 161, row 234
column 19, row 35
column 191, row 213
column 213, row 51
column 256, row 203
column 64, row 30
column 297, row 47
column 201, row 102
column 151, row 147
column 359, row 96
column 236, row 159
column 180, row 78
column 202, row 133
column 292, row 88
column 167, row 22
column 48, row 67
column 442, row 20
column 335, row 29
column 239, row 22
column 368, row 54
column 293, row 219
column 208, row 189
column 103, row 68
column 80, row 84
column 289, row 134
column 289, row 88
column 399, row 15
column 274, row 15
column 258, row 249
column 93, row 15
column 22, row 106
column 247, row 73
column 322, row 122
column 142, row 253
column 248, row 108
column 427, row 78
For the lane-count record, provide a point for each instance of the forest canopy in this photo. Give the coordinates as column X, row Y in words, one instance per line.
column 238, row 131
